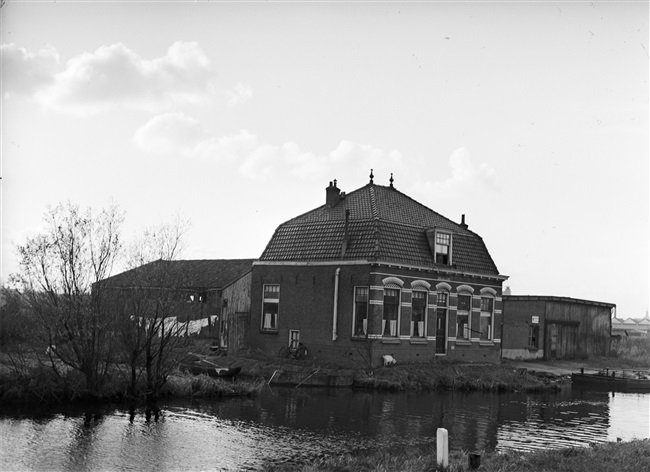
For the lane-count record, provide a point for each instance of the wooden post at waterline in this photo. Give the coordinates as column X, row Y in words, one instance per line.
column 442, row 441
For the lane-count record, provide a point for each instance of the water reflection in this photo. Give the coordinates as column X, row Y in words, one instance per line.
column 288, row 424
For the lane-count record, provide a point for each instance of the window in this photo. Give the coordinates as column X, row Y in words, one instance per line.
column 533, row 336
column 294, row 339
column 391, row 312
column 443, row 248
column 442, row 300
column 418, row 314
column 463, row 318
column 270, row 308
column 360, row 324
column 441, row 322
column 487, row 305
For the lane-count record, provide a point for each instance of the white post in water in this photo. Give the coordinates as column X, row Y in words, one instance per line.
column 443, row 447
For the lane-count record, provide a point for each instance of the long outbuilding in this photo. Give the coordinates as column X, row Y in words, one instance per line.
column 549, row 327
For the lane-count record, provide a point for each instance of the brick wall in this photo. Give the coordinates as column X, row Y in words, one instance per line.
column 307, row 302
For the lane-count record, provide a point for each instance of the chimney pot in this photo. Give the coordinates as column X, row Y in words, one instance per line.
column 462, row 221
column 332, row 195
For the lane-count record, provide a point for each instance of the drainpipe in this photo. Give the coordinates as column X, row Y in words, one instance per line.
column 335, row 312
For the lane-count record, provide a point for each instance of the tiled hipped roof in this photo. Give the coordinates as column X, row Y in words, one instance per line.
column 384, row 225
column 185, row 274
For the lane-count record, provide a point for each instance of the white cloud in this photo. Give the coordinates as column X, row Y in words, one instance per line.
column 240, row 94
column 465, row 176
column 179, row 134
column 171, row 133
column 24, row 73
column 113, row 76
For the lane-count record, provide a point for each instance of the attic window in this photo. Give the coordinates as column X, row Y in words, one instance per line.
column 443, row 248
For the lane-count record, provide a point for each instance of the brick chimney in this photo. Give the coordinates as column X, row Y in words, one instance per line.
column 332, row 195
column 462, row 222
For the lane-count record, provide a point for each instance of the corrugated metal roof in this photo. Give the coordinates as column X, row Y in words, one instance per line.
column 384, row 225
column 183, row 274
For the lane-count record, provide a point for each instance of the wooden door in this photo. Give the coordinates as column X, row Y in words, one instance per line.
column 561, row 340
column 239, row 331
column 441, row 331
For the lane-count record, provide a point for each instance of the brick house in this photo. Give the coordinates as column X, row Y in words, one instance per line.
column 374, row 272
column 212, row 295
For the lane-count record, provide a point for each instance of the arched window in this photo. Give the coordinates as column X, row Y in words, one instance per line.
column 419, row 300
column 464, row 313
column 442, row 309
column 487, row 315
column 391, row 315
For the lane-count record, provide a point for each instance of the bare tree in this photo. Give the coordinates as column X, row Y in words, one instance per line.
column 57, row 270
column 149, row 331
column 164, row 241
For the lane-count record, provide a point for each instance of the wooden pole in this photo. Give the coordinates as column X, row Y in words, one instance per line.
column 443, row 447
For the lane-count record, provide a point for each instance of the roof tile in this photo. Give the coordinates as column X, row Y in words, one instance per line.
column 384, row 224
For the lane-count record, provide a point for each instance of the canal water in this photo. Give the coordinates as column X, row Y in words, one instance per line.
column 295, row 425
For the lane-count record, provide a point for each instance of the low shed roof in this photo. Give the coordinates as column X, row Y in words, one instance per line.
column 184, row 274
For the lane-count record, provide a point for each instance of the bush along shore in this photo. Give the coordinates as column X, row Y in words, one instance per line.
column 632, row 456
column 41, row 385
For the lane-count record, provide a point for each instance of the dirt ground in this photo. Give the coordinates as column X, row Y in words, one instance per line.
column 567, row 367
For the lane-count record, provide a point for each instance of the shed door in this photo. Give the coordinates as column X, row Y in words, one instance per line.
column 561, row 340
column 239, row 332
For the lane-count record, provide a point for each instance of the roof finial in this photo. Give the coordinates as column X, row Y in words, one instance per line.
column 371, row 177
column 391, row 180
column 335, row 182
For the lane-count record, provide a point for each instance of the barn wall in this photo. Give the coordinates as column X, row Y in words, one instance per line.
column 568, row 328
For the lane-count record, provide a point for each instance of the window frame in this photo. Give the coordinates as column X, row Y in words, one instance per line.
column 448, row 247
column 388, row 326
column 355, row 304
column 423, row 320
column 465, row 314
column 533, row 333
column 487, row 314
column 267, row 301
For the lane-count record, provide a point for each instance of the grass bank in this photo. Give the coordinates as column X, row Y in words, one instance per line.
column 40, row 385
column 439, row 374
column 447, row 375
column 630, row 456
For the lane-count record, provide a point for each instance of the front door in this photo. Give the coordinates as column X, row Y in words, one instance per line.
column 441, row 331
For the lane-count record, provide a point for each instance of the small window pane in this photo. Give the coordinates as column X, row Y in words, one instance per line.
column 486, row 304
column 464, row 302
column 271, row 291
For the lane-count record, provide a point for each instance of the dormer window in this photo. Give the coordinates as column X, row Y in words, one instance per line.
column 443, row 248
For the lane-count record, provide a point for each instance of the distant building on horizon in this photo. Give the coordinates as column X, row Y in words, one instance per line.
column 632, row 327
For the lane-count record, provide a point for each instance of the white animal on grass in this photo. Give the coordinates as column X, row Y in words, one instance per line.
column 389, row 360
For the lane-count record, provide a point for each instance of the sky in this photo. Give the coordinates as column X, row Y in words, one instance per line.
column 531, row 118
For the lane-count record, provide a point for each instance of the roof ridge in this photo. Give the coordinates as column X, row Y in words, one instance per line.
column 393, row 189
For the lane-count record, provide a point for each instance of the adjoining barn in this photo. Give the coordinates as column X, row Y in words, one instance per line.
column 373, row 273
column 555, row 327
column 210, row 298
